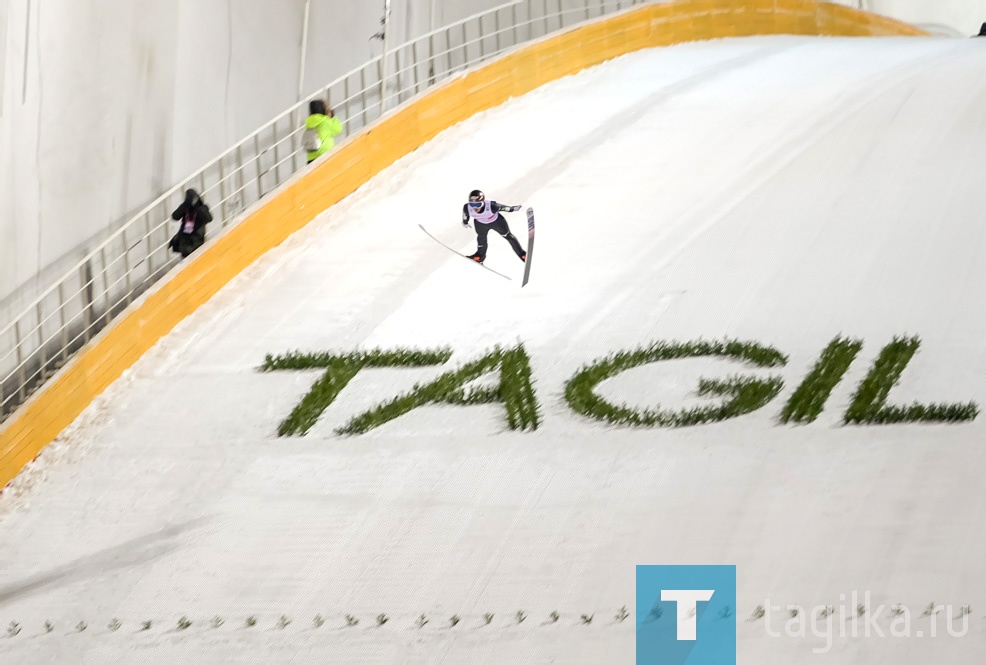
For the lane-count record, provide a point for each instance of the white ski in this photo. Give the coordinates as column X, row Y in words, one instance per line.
column 530, row 246
column 462, row 255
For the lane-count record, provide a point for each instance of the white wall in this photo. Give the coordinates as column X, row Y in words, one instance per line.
column 106, row 103
column 963, row 16
column 945, row 17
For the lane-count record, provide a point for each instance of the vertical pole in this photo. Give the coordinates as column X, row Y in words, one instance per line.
column 256, row 161
column 513, row 12
column 277, row 160
column 482, row 42
column 107, row 304
column 496, row 18
column 21, row 378
column 431, row 59
column 27, row 49
column 126, row 267
column 149, row 236
column 465, row 45
column 87, row 311
column 362, row 93
column 448, row 51
column 346, row 113
column 39, row 312
column 61, row 320
column 225, row 214
column 304, row 50
column 383, row 69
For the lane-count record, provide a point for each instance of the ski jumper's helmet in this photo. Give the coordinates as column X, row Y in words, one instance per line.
column 477, row 200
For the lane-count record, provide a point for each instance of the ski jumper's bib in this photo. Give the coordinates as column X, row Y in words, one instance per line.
column 484, row 215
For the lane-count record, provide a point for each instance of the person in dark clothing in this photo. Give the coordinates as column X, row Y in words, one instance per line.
column 485, row 216
column 193, row 214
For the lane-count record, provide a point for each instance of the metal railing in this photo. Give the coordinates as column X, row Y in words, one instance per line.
column 64, row 317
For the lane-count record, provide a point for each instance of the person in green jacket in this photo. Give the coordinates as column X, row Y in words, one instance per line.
column 321, row 127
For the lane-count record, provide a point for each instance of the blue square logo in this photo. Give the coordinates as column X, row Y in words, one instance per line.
column 686, row 615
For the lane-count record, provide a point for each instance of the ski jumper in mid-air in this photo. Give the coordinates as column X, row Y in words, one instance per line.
column 485, row 216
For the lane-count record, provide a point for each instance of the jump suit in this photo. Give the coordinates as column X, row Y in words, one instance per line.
column 489, row 217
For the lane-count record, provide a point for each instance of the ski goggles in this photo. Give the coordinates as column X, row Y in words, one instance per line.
column 476, row 205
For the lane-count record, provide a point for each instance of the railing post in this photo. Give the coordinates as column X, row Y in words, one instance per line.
column 398, row 86
column 345, row 91
column 41, row 339
column 107, row 308
column 448, row 51
column 222, row 193
column 513, row 12
column 21, row 379
column 380, row 76
column 431, row 60
column 62, row 322
column 150, row 247
column 362, row 82
column 87, row 301
column 496, row 26
column 383, row 58
column 465, row 45
column 256, row 161
column 126, row 268
column 277, row 159
column 166, row 228
column 482, row 42
column 416, row 64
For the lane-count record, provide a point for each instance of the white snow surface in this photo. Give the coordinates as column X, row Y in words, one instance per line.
column 780, row 190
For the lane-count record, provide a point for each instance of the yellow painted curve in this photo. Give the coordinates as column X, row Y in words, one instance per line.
column 106, row 357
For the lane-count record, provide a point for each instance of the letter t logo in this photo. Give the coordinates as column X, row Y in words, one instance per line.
column 687, row 601
column 702, row 598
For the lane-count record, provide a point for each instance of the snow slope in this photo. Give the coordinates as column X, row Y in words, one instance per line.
column 781, row 190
